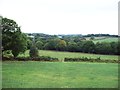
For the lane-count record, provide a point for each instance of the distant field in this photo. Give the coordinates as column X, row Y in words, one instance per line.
column 107, row 39
column 96, row 38
column 33, row 74
column 62, row 55
column 103, row 39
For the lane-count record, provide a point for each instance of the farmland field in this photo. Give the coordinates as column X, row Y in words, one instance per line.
column 107, row 39
column 62, row 55
column 33, row 74
column 103, row 39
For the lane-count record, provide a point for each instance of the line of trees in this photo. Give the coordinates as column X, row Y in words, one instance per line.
column 85, row 46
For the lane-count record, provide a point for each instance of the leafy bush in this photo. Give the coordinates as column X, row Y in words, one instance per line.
column 34, row 51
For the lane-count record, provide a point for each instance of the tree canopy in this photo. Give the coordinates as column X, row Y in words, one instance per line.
column 12, row 37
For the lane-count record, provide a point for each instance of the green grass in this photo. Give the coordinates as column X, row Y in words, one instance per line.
column 96, row 38
column 107, row 39
column 62, row 55
column 31, row 74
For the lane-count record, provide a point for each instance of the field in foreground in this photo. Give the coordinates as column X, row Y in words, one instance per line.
column 62, row 55
column 31, row 74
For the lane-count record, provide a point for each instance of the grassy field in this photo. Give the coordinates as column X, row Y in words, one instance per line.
column 62, row 55
column 96, row 38
column 31, row 74
column 103, row 39
column 107, row 39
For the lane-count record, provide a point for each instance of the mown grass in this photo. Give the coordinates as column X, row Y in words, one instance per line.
column 62, row 55
column 33, row 74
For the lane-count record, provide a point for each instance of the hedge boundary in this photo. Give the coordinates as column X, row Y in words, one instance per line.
column 40, row 58
column 85, row 59
column 51, row 59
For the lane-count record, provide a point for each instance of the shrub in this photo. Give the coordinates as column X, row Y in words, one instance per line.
column 98, row 59
column 33, row 51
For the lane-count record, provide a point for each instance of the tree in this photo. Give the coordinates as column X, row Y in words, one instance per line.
column 39, row 45
column 19, row 44
column 88, row 47
column 51, row 44
column 12, row 37
column 103, row 48
column 114, row 47
column 61, row 45
column 29, row 42
column 80, row 46
column 72, row 46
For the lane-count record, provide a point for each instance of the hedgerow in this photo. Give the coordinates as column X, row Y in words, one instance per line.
column 40, row 58
column 86, row 59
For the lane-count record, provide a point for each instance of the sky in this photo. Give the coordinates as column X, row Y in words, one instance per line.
column 63, row 16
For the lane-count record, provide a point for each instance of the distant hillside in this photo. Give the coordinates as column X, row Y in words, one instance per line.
column 97, row 36
column 107, row 39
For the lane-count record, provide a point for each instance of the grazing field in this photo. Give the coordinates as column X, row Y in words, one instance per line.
column 106, row 39
column 33, row 74
column 62, row 55
column 96, row 38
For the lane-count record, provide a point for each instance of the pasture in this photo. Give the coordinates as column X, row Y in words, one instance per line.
column 33, row 74
column 62, row 55
column 106, row 39
column 103, row 39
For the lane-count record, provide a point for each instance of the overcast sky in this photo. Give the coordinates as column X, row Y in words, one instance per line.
column 63, row 16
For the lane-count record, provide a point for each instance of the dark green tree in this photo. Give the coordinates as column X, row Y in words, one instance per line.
column 12, row 37
column 20, row 47
column 114, row 47
column 72, row 47
column 103, row 48
column 80, row 46
column 88, row 47
column 51, row 44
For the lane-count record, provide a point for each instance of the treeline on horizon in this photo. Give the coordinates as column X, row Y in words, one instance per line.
column 73, row 43
column 71, row 35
